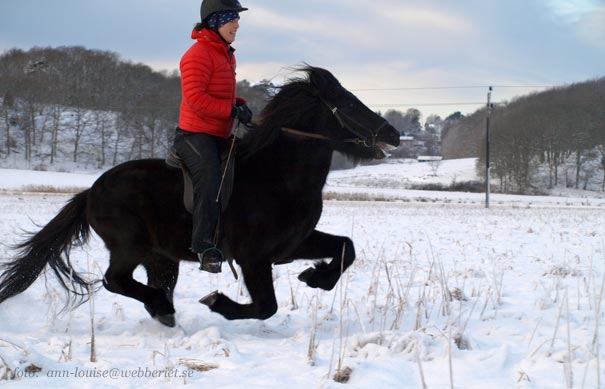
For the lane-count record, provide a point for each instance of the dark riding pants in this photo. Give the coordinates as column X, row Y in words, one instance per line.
column 201, row 154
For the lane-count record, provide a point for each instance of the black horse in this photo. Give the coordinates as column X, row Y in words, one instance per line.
column 137, row 208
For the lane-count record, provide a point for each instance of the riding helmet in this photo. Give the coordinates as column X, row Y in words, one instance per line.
column 211, row 6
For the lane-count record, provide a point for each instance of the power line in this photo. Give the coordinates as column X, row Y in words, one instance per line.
column 450, row 87
column 424, row 104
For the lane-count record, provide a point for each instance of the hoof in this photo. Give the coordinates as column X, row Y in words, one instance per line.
column 210, row 299
column 306, row 277
column 168, row 320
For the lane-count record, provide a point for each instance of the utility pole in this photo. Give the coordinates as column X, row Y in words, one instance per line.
column 487, row 156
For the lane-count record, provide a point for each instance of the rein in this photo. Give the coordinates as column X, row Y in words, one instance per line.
column 319, row 136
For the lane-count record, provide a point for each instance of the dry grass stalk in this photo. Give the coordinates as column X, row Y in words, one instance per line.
column 487, row 297
column 342, row 303
column 469, row 315
column 292, row 295
column 588, row 281
column 569, row 369
column 363, row 329
column 534, row 333
column 584, row 375
column 595, row 339
column 398, row 314
column 342, row 294
column 422, row 380
column 93, row 348
column 71, row 309
column 312, row 345
column 155, row 353
column 445, row 291
column 332, row 356
column 554, row 336
column 449, row 355
column 418, row 322
column 523, row 376
column 6, row 373
column 357, row 197
column 51, row 189
column 404, row 293
column 197, row 365
column 374, row 291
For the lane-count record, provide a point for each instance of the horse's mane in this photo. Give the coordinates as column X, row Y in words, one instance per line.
column 294, row 105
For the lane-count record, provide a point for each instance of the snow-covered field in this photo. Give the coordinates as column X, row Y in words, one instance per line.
column 443, row 293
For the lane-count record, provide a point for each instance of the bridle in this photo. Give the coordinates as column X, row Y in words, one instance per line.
column 345, row 121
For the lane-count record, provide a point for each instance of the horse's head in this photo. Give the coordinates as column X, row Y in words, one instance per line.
column 351, row 126
column 318, row 107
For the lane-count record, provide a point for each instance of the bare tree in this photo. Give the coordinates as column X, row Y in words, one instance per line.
column 56, row 113
column 8, row 103
column 101, row 121
column 435, row 164
column 602, row 167
column 80, row 123
column 396, row 119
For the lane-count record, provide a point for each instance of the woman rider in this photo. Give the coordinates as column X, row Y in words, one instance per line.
column 208, row 109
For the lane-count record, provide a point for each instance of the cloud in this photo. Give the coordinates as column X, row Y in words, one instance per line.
column 572, row 10
column 276, row 72
column 591, row 27
column 586, row 17
column 326, row 28
column 426, row 18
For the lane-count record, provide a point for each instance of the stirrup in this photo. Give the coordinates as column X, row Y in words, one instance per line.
column 212, row 263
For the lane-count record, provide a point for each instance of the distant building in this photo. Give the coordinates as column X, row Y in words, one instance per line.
column 429, row 158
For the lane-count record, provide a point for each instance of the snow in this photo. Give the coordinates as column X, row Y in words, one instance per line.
column 14, row 180
column 507, row 296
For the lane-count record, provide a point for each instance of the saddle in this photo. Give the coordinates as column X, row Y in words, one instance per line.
column 173, row 160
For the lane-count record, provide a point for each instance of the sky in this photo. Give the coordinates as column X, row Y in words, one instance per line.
column 438, row 56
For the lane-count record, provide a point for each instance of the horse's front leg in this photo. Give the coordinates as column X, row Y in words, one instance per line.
column 320, row 245
column 259, row 282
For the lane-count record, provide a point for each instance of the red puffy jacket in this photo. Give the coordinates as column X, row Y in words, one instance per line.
column 208, row 85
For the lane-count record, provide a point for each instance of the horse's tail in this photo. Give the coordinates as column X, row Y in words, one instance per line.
column 51, row 245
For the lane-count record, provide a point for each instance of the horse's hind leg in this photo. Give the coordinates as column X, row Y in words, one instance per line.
column 118, row 279
column 162, row 274
column 259, row 282
column 320, row 245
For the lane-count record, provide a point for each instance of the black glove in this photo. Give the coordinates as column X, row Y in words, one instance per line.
column 242, row 113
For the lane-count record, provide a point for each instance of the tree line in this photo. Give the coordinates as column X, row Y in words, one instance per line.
column 539, row 141
column 89, row 105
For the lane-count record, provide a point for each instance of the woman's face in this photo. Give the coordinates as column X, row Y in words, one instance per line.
column 229, row 30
